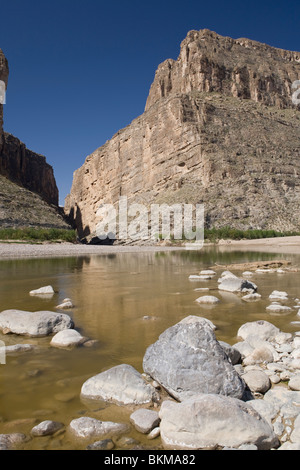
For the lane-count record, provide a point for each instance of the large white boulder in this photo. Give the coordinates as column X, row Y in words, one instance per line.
column 208, row 421
column 40, row 323
column 121, row 384
column 187, row 360
column 67, row 339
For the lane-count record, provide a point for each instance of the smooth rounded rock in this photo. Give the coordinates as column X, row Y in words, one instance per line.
column 67, row 338
column 65, row 305
column 251, row 297
column 11, row 441
column 144, row 420
column 121, row 384
column 104, row 444
column 294, row 382
column 259, row 355
column 86, row 427
column 257, row 381
column 41, row 323
column 261, row 328
column 208, row 299
column 46, row 428
column 16, row 348
column 208, row 421
column 277, row 308
column 46, row 290
column 280, row 295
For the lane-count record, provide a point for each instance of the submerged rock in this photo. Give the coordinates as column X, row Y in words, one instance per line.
column 294, row 382
column 46, row 428
column 278, row 308
column 200, row 277
column 11, row 441
column 121, row 384
column 67, row 338
column 16, row 348
column 235, row 284
column 66, row 304
column 251, row 297
column 46, row 290
column 104, row 444
column 280, row 295
column 188, row 360
column 207, row 272
column 86, row 427
column 208, row 299
column 41, row 323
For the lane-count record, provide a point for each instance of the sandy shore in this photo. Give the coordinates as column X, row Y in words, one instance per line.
column 287, row 245
column 50, row 250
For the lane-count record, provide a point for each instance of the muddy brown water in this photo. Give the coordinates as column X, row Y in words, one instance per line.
column 124, row 301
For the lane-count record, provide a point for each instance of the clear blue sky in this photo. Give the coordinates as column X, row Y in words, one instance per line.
column 81, row 70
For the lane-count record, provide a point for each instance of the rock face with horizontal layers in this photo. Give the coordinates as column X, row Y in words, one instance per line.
column 27, row 168
column 28, row 190
column 188, row 360
column 4, row 71
column 219, row 128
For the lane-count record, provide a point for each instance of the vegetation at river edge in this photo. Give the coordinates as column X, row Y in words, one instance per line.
column 38, row 234
column 228, row 233
column 213, row 235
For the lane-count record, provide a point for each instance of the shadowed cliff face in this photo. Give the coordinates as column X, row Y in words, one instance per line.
column 3, row 78
column 28, row 191
column 28, row 169
column 21, row 165
column 219, row 128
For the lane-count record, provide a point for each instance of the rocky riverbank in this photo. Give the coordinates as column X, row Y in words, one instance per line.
column 13, row 250
column 193, row 392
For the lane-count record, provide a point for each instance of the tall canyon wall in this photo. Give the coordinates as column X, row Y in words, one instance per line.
column 28, row 190
column 219, row 128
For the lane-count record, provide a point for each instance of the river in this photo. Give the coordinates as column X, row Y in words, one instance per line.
column 124, row 301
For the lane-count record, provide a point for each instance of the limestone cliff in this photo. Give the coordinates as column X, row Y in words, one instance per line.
column 28, row 190
column 219, row 128
column 3, row 77
column 27, row 168
column 240, row 68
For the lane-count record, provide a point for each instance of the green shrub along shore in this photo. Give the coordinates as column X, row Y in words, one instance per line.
column 228, row 233
column 213, row 235
column 38, row 234
column 67, row 235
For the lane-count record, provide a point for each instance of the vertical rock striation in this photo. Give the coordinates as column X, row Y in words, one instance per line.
column 219, row 128
column 20, row 165
column 27, row 168
column 3, row 77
